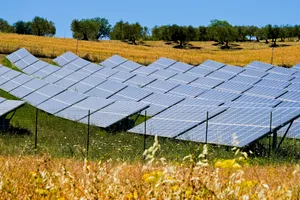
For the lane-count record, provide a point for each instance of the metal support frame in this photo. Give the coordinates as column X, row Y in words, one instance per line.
column 287, row 130
column 138, row 114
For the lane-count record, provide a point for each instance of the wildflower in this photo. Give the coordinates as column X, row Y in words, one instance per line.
column 225, row 163
column 153, row 177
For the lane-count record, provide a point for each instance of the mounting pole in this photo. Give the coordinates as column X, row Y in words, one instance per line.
column 77, row 47
column 88, row 136
column 36, row 132
column 206, row 128
column 270, row 133
column 272, row 56
column 145, row 130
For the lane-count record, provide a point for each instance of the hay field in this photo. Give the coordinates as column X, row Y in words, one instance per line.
column 243, row 53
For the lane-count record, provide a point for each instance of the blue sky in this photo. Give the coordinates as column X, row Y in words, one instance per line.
column 154, row 12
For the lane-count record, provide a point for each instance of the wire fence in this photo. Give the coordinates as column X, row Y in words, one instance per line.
column 34, row 132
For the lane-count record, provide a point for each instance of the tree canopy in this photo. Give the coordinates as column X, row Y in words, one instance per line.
column 126, row 31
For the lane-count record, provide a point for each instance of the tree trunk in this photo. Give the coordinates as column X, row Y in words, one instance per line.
column 257, row 39
column 267, row 42
column 227, row 45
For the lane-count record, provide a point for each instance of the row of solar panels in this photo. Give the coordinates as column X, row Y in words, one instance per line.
column 65, row 103
column 78, row 67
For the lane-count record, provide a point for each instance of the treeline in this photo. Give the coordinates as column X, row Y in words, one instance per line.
column 100, row 28
column 38, row 26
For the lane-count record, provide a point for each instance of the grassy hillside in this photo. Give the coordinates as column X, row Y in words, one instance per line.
column 242, row 54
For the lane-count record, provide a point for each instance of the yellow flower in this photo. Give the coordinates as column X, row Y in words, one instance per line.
column 226, row 163
column 153, row 177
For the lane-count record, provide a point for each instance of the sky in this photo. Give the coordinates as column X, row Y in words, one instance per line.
column 154, row 12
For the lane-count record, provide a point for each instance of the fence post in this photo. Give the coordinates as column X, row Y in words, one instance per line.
column 145, row 130
column 206, row 128
column 36, row 132
column 88, row 136
column 270, row 133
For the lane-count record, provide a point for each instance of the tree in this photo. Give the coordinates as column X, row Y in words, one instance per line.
column 125, row 31
column 42, row 27
column 250, row 31
column 203, row 33
column 22, row 27
column 297, row 32
column 90, row 29
column 222, row 31
column 272, row 32
column 146, row 32
column 241, row 33
column 5, row 27
column 260, row 34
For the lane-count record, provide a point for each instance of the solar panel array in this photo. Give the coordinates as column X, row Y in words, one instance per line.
column 8, row 106
column 167, row 85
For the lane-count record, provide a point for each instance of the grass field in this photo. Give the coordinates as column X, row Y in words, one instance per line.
column 243, row 53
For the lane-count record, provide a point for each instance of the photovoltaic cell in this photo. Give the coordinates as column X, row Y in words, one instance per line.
column 162, row 63
column 253, row 73
column 245, row 79
column 106, row 72
column 121, row 77
column 232, row 69
column 282, row 70
column 278, row 77
column 273, row 83
column 294, row 87
column 290, row 96
column 46, row 71
column 26, row 61
column 257, row 100
column 9, row 106
column 16, row 82
column 28, row 88
column 17, row 55
column 91, row 68
column 200, row 102
column 35, row 67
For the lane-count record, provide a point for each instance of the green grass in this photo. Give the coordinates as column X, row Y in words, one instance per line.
column 59, row 137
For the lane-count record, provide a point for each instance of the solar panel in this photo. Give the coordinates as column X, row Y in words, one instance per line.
column 163, row 74
column 35, row 67
column 176, row 120
column 199, row 71
column 187, row 91
column 245, row 79
column 17, row 55
column 160, row 102
column 253, row 73
column 265, row 92
column 52, row 106
column 26, row 61
column 183, row 78
column 76, row 64
column 65, row 58
column 289, row 104
column 10, row 75
column 93, row 80
column 206, row 82
column 96, row 92
column 294, row 87
column 128, row 66
column 121, row 77
column 16, row 82
column 132, row 93
column 278, row 77
column 59, row 74
column 200, row 102
column 162, row 63
column 229, row 135
column 234, row 87
column 9, row 106
column 232, row 69
column 4, row 70
column 233, row 104
column 295, row 80
column 106, row 72
column 81, row 110
column 114, row 113
column 163, row 127
column 91, row 68
column 140, row 80
column 2, row 99
column 221, row 75
column 161, row 86
column 180, row 67
column 282, row 70
column 28, row 88
column 49, row 69
column 290, row 96
column 273, row 83
column 145, row 70
column 81, row 87
column 260, row 66
column 212, row 65
column 111, row 86
column 113, row 61
column 218, row 95
column 257, row 100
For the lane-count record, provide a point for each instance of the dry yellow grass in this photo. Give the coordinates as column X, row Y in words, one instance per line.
column 289, row 55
